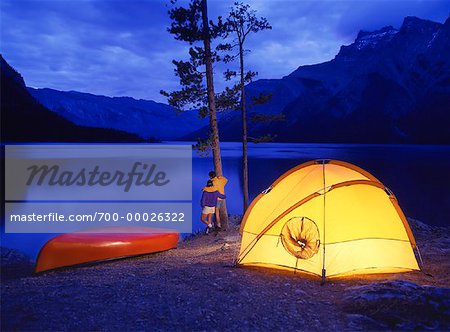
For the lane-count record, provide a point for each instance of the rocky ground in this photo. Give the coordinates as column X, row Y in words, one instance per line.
column 196, row 287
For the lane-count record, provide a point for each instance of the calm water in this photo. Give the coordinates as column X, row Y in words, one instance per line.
column 418, row 175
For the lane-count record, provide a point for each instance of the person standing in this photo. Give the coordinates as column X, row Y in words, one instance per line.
column 219, row 184
column 210, row 195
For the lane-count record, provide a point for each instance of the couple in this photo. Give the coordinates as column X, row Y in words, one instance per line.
column 213, row 198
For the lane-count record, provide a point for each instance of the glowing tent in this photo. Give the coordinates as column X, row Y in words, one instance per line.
column 328, row 218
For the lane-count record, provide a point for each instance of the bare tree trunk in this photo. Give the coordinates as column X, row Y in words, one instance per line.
column 244, row 131
column 212, row 105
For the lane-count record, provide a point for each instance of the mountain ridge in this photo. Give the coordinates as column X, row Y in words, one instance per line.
column 388, row 86
column 382, row 93
column 145, row 118
column 24, row 119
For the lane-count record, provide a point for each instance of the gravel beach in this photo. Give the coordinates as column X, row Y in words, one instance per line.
column 196, row 287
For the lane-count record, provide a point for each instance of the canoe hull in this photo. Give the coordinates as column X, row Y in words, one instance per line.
column 92, row 246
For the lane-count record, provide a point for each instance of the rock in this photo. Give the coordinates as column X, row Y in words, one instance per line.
column 14, row 264
column 234, row 218
column 357, row 322
column 300, row 292
column 418, row 226
column 232, row 238
column 13, row 257
column 398, row 305
column 225, row 246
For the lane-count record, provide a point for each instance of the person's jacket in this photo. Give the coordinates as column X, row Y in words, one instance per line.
column 219, row 183
column 209, row 198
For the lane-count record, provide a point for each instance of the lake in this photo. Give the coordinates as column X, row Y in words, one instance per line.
column 417, row 174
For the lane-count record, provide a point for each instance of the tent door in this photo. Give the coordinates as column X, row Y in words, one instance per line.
column 300, row 237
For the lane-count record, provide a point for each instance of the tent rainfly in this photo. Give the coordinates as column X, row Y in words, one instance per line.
column 329, row 218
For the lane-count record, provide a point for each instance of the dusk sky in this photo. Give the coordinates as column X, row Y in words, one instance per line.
column 122, row 48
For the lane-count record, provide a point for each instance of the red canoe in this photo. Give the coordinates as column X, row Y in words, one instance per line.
column 93, row 245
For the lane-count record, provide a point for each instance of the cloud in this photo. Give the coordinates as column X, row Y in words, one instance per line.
column 122, row 48
column 308, row 32
column 372, row 15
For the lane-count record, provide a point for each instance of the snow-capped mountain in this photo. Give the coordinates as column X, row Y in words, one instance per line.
column 373, row 39
column 388, row 86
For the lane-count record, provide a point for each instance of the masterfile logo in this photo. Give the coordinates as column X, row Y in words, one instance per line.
column 140, row 175
column 67, row 188
column 98, row 172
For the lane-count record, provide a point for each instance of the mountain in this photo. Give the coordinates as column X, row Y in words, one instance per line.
column 143, row 117
column 388, row 86
column 26, row 120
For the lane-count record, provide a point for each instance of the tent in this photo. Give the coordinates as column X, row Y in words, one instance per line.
column 329, row 218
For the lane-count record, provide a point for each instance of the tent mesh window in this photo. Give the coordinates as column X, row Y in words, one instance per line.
column 300, row 237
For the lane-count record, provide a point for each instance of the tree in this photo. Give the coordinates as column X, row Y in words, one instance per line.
column 241, row 22
column 192, row 25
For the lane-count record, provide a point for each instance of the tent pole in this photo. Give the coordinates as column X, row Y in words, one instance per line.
column 236, row 259
column 420, row 258
column 323, row 277
column 324, row 195
column 421, row 265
